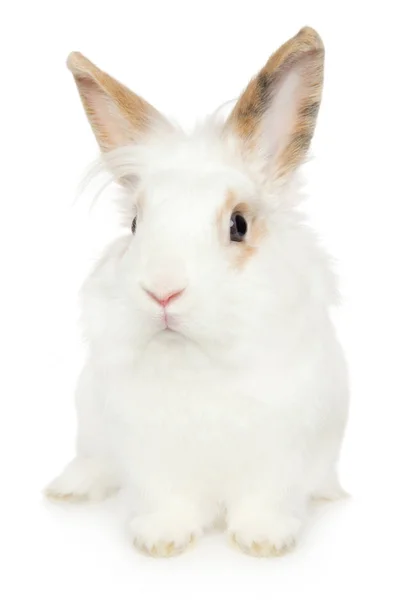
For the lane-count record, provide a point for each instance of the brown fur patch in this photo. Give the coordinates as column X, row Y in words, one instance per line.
column 305, row 52
column 241, row 251
column 115, row 113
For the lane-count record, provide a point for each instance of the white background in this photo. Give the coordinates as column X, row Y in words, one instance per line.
column 187, row 58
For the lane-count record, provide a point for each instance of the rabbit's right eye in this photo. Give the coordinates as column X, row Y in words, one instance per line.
column 238, row 227
column 133, row 226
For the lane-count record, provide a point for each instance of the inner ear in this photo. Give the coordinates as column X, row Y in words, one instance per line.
column 276, row 114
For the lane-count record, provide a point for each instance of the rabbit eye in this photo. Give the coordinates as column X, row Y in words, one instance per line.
column 133, row 226
column 238, row 227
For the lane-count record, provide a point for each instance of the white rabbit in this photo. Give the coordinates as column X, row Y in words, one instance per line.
column 214, row 383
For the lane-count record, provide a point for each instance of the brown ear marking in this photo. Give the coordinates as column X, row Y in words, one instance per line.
column 116, row 114
column 305, row 53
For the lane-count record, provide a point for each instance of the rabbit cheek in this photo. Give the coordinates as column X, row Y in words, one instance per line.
column 247, row 249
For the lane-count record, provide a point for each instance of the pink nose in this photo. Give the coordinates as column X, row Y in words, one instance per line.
column 163, row 301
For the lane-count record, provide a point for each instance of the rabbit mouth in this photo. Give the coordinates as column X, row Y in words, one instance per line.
column 168, row 334
column 169, row 322
column 171, row 326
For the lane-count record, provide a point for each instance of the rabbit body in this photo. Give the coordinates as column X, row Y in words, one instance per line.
column 251, row 427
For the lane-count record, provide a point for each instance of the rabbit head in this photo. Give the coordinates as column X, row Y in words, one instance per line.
column 215, row 249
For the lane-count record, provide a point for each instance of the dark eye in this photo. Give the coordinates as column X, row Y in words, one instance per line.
column 133, row 226
column 238, row 227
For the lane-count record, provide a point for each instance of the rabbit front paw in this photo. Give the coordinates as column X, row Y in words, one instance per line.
column 164, row 534
column 267, row 534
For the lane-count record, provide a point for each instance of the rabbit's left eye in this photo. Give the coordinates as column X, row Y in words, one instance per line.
column 238, row 227
column 133, row 226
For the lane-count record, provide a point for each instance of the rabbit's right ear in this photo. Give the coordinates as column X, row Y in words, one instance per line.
column 117, row 116
column 276, row 114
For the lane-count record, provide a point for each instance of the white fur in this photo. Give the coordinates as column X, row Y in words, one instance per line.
column 240, row 410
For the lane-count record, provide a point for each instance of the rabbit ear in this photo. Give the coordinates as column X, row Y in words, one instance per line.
column 117, row 115
column 276, row 113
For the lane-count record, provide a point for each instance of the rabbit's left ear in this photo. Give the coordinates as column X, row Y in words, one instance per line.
column 117, row 116
column 276, row 114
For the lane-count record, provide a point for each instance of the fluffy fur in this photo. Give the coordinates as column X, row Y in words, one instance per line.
column 232, row 399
